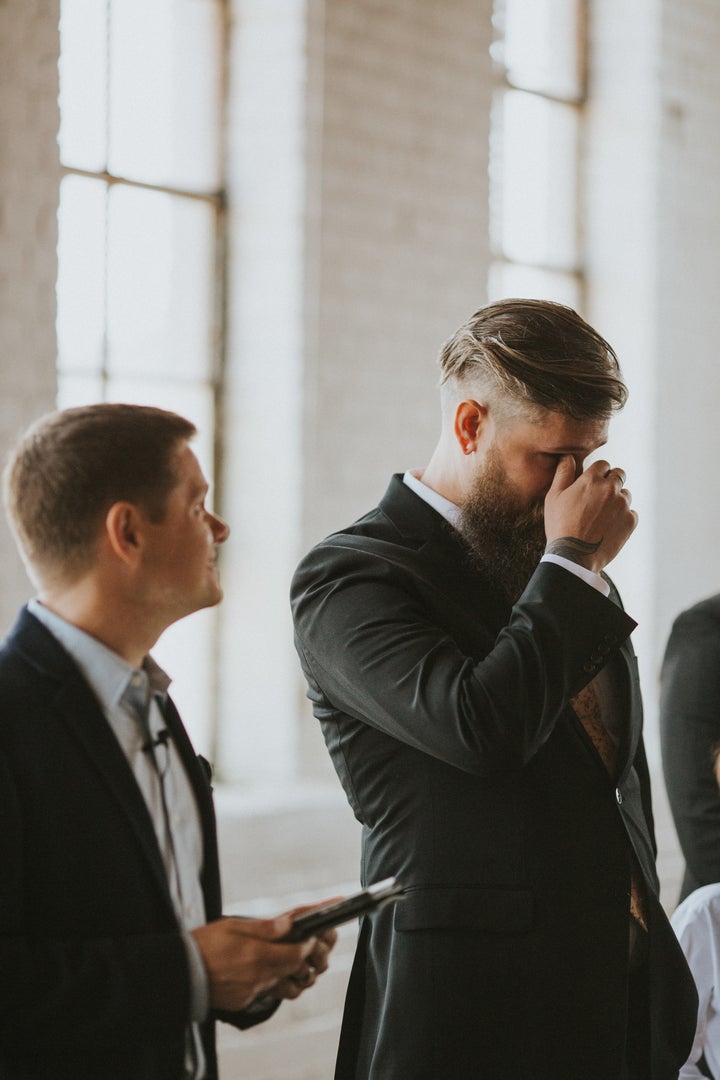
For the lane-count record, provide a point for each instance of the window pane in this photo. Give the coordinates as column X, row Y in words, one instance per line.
column 81, row 274
column 160, row 284
column 542, row 46
column 530, row 282
column 193, row 401
column 165, row 66
column 534, row 181
column 186, row 652
column 82, row 66
column 78, row 390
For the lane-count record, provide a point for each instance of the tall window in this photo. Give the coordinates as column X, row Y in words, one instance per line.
column 534, row 158
column 141, row 210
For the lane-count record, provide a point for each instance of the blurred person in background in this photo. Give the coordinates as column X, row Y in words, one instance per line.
column 697, row 924
column 689, row 731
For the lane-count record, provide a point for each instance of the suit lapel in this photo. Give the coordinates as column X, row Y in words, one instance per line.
column 444, row 555
column 78, row 710
column 200, row 783
column 628, row 695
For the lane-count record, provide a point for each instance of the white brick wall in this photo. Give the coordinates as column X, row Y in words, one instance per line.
column 688, row 432
column 29, row 179
column 263, row 386
column 401, row 253
column 358, row 195
column 653, row 236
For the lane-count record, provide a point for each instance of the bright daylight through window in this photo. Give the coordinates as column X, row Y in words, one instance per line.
column 139, row 253
column 534, row 159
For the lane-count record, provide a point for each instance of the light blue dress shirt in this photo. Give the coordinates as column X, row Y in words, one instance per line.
column 121, row 691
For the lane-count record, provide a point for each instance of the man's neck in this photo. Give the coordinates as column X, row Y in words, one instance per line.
column 443, row 477
column 108, row 622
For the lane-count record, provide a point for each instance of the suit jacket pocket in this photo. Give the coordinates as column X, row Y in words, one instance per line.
column 502, row 911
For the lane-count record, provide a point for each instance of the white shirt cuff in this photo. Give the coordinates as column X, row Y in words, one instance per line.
column 199, row 987
column 588, row 576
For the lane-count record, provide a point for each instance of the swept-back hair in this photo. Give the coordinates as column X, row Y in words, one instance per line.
column 71, row 466
column 535, row 354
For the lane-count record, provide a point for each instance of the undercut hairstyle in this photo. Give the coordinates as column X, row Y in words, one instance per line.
column 72, row 466
column 532, row 355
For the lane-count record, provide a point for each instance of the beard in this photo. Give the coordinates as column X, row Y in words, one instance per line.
column 504, row 537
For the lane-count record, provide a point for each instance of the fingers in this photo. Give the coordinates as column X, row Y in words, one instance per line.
column 320, row 955
column 565, row 474
column 589, row 519
column 598, row 473
column 306, row 976
column 617, row 477
column 617, row 474
column 316, row 962
column 294, row 985
column 267, row 929
column 243, row 959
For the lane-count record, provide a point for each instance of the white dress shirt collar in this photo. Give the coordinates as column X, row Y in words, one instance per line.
column 448, row 509
column 453, row 513
column 107, row 674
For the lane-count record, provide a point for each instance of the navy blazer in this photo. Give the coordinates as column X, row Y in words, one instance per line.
column 447, row 717
column 94, row 980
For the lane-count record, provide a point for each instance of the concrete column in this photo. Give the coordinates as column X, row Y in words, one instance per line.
column 29, row 185
column 262, row 405
column 621, row 248
column 358, row 195
column 653, row 235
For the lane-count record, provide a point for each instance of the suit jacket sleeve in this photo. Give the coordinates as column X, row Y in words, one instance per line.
column 367, row 637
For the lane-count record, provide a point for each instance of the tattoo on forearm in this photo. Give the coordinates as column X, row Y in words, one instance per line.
column 572, row 548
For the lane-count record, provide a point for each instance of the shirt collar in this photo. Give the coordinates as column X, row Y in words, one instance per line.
column 107, row 674
column 449, row 510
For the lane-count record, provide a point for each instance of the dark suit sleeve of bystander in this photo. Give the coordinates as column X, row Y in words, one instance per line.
column 690, row 728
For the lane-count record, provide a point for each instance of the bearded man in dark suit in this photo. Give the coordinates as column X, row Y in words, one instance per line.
column 114, row 961
column 471, row 668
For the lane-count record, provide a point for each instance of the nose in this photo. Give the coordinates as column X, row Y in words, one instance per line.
column 220, row 528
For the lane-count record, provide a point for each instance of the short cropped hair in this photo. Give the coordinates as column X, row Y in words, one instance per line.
column 534, row 354
column 72, row 466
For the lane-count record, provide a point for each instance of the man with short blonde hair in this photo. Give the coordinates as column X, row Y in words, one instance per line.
column 114, row 960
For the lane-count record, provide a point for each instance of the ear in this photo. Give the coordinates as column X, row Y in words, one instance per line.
column 470, row 420
column 123, row 531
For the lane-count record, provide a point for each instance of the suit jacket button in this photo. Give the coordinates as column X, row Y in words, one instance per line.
column 618, row 796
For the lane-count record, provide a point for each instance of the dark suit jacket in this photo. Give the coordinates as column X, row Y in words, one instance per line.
column 94, row 983
column 446, row 715
column 689, row 729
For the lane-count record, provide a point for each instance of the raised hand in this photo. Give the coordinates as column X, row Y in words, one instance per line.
column 588, row 517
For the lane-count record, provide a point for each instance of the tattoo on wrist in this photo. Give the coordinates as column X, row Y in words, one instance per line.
column 569, row 547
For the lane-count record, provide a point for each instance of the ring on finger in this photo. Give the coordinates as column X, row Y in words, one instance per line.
column 306, row 976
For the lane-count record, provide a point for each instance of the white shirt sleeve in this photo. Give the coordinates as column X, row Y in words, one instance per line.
column 199, row 989
column 697, row 929
column 588, row 576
